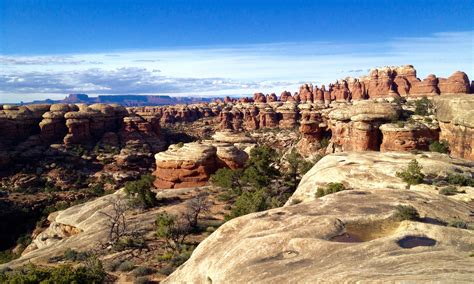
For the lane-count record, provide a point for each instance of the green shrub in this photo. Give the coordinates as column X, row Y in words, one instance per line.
column 182, row 256
column 406, row 212
column 127, row 242
column 441, row 146
column 7, row 256
column 226, row 178
column 458, row 223
column 297, row 166
column 249, row 202
column 324, row 142
column 90, row 272
column 126, row 266
column 73, row 255
column 260, row 168
column 140, row 191
column 423, row 106
column 412, row 175
column 142, row 271
column 97, row 189
column 449, row 190
column 173, row 229
column 331, row 187
column 460, row 180
column 167, row 270
column 141, row 280
column 113, row 265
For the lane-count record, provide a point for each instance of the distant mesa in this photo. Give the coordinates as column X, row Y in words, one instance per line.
column 125, row 100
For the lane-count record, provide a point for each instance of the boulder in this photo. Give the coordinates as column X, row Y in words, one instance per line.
column 188, row 165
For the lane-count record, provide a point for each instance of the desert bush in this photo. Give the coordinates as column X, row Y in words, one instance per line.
column 89, row 272
column 458, row 223
column 449, row 190
column 167, row 270
column 324, row 142
column 7, row 256
column 195, row 207
column 73, row 255
column 460, row 180
column 126, row 266
column 259, row 169
column 117, row 221
column 141, row 280
column 423, row 106
column 331, row 187
column 249, row 202
column 142, row 271
column 441, row 146
column 173, row 229
column 406, row 212
column 127, row 242
column 113, row 265
column 297, row 166
column 412, row 174
column 140, row 192
column 227, row 178
column 97, row 189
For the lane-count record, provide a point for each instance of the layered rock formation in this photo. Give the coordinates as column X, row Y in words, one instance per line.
column 27, row 131
column 356, row 127
column 187, row 165
column 407, row 136
column 191, row 164
column 456, row 120
column 348, row 236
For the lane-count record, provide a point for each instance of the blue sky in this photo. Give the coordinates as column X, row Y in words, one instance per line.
column 51, row 48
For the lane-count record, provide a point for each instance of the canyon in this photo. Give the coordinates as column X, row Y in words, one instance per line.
column 362, row 131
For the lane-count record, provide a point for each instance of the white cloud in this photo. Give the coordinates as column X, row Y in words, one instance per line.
column 227, row 70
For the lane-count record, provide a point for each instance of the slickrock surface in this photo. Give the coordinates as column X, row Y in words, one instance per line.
column 188, row 165
column 347, row 236
column 456, row 120
column 81, row 227
column 375, row 170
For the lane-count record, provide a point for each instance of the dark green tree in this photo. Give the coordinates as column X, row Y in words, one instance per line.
column 140, row 191
column 412, row 175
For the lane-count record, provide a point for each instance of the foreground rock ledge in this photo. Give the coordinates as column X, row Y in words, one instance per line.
column 346, row 236
column 375, row 170
column 292, row 244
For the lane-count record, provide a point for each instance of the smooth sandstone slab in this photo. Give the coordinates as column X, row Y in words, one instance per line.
column 307, row 243
column 376, row 170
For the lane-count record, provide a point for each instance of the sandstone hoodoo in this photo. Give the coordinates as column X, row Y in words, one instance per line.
column 191, row 164
column 456, row 120
column 185, row 165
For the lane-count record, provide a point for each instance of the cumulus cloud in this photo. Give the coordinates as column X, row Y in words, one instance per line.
column 238, row 70
column 127, row 80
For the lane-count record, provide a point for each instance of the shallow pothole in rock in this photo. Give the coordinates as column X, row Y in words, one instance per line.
column 364, row 232
column 413, row 241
